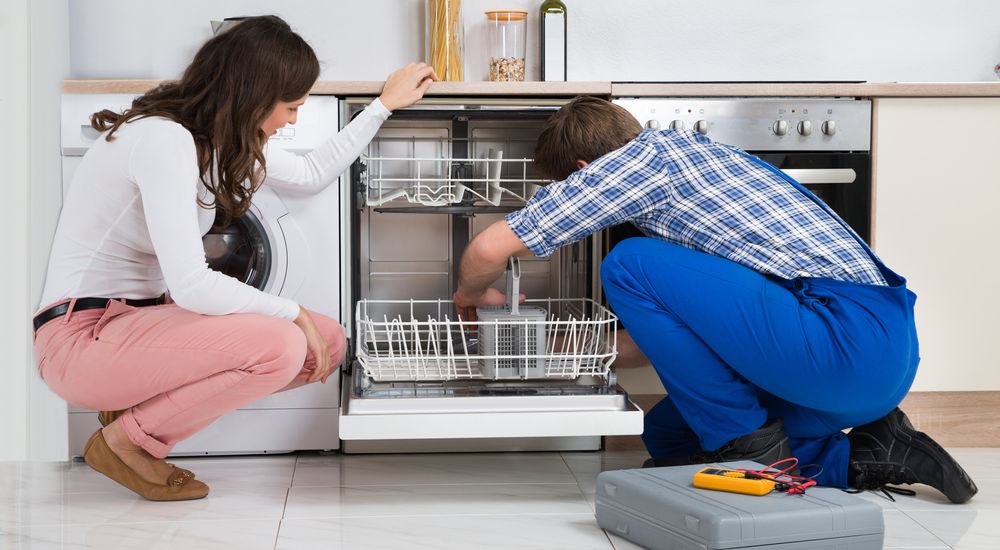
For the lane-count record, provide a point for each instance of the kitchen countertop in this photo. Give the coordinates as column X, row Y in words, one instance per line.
column 616, row 89
column 373, row 87
column 791, row 89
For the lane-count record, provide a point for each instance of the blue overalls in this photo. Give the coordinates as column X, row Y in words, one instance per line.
column 734, row 347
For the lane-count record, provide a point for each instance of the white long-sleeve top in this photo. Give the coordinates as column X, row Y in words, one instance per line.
column 131, row 225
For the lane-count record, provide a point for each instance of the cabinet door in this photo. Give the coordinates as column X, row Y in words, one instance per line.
column 937, row 192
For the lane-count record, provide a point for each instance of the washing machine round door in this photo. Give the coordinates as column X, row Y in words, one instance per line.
column 241, row 250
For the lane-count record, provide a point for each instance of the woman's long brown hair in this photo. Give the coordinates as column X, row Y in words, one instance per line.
column 223, row 97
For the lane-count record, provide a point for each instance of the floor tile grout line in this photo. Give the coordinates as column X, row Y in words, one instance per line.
column 570, row 468
column 924, row 527
column 440, row 515
column 471, row 484
column 115, row 492
column 277, row 534
column 583, row 493
column 284, row 506
column 288, row 490
column 501, row 514
column 607, row 535
column 150, row 522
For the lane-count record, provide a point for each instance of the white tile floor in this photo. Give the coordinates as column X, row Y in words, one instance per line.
column 504, row 501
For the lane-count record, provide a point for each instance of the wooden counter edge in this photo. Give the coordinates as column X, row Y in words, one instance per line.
column 369, row 88
column 777, row 89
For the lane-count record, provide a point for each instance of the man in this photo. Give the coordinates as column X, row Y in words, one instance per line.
column 771, row 324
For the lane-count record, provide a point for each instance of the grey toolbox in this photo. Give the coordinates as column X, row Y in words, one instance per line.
column 660, row 509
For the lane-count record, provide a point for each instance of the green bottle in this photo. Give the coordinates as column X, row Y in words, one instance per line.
column 553, row 40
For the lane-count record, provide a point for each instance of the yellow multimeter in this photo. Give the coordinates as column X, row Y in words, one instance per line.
column 732, row 481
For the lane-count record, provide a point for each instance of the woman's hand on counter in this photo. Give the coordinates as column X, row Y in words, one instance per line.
column 407, row 85
column 316, row 345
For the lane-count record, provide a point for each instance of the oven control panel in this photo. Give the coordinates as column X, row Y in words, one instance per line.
column 763, row 124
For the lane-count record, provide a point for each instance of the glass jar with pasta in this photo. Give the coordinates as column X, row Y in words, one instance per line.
column 445, row 38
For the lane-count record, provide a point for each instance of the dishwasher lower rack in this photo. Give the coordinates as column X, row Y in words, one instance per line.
column 430, row 342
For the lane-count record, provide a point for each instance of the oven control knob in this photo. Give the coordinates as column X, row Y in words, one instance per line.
column 701, row 126
column 676, row 124
column 780, row 127
column 653, row 124
column 830, row 127
column 805, row 128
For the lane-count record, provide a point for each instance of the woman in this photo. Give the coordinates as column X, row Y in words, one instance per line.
column 131, row 228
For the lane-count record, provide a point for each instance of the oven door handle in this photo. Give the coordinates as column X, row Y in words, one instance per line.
column 822, row 175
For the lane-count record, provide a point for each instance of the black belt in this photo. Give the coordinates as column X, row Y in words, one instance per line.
column 90, row 303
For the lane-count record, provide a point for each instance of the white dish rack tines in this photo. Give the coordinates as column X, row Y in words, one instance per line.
column 550, row 338
column 423, row 170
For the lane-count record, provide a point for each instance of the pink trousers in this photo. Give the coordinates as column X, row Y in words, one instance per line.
column 174, row 371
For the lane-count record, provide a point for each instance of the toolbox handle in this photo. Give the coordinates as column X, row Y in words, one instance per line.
column 513, row 295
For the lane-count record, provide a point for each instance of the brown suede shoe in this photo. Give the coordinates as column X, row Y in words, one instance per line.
column 179, row 485
column 107, row 417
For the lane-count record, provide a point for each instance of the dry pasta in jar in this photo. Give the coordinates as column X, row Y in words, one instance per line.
column 445, row 37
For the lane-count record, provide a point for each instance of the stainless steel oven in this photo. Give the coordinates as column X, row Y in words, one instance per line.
column 823, row 143
column 419, row 376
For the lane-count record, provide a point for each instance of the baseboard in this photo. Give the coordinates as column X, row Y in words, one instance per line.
column 956, row 418
column 952, row 418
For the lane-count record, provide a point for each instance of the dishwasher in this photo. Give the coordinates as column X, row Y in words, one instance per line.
column 419, row 377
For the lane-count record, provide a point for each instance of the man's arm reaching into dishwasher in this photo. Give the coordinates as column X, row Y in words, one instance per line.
column 484, row 261
column 771, row 324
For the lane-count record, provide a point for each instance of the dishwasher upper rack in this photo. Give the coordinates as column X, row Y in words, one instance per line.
column 426, row 171
column 435, row 344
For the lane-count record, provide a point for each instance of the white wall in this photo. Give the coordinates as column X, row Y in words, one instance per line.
column 14, row 276
column 873, row 40
column 34, row 39
column 49, row 66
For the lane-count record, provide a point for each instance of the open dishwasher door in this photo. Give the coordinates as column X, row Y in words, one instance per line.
column 540, row 369
column 485, row 417
column 422, row 379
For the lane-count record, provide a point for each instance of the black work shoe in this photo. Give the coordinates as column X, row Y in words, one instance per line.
column 767, row 445
column 891, row 451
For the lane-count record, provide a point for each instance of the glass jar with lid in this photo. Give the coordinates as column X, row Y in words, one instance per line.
column 506, row 44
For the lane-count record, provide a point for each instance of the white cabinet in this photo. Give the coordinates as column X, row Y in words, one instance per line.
column 937, row 195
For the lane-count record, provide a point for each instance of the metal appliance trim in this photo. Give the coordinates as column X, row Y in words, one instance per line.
column 472, row 104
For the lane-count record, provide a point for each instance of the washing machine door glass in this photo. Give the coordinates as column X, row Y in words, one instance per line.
column 240, row 250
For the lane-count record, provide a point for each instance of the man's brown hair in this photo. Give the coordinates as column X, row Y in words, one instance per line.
column 584, row 129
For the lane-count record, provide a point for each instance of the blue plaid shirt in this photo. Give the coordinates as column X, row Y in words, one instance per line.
column 682, row 187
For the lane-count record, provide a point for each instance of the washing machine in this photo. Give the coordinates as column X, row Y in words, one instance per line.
column 287, row 244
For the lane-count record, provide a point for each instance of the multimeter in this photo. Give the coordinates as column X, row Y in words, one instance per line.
column 733, row 481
